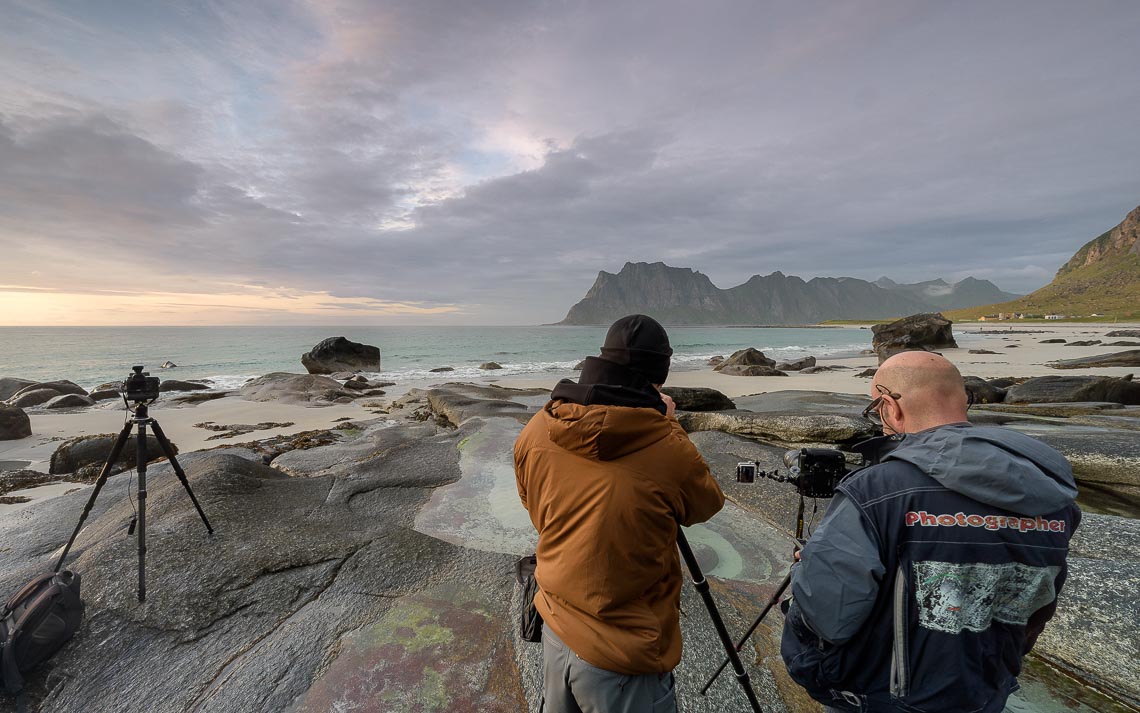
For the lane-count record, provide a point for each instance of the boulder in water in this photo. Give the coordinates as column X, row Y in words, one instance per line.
column 339, row 354
column 745, row 357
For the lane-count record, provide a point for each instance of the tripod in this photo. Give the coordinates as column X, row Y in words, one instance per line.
column 141, row 419
column 733, row 652
column 702, row 586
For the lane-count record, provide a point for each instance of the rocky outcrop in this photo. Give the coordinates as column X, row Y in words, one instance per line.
column 1052, row 341
column 69, row 401
column 61, row 386
column 916, row 332
column 83, row 457
column 738, row 370
column 490, row 366
column 1085, row 343
column 103, row 395
column 788, row 428
column 983, row 392
column 306, row 389
column 10, row 385
column 745, row 357
column 441, row 369
column 1128, row 358
column 698, row 398
column 1134, row 333
column 1060, row 389
column 796, row 365
column 339, row 354
column 168, row 385
column 35, row 397
column 14, row 423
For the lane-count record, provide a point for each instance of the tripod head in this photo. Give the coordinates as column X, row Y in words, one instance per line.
column 814, row 471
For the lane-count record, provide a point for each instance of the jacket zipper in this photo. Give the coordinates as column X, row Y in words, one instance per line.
column 900, row 676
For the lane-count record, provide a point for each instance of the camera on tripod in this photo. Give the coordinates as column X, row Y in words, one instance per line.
column 140, row 386
column 814, row 471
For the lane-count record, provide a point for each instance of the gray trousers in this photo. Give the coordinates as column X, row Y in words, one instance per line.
column 570, row 685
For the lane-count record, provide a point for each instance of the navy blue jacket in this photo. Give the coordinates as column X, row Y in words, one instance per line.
column 932, row 573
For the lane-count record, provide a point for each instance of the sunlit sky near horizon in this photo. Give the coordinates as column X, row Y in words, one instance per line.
column 428, row 162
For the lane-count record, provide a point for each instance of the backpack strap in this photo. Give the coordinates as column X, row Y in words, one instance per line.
column 25, row 591
column 13, row 681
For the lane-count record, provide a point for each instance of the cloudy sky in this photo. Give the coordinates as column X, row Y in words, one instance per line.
column 440, row 162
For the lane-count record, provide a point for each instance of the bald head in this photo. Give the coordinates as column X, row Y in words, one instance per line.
column 931, row 390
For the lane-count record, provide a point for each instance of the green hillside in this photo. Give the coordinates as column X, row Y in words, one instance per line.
column 1102, row 278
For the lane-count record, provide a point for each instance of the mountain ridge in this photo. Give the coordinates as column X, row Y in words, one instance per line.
column 681, row 295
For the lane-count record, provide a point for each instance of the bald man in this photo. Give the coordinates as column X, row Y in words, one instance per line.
column 937, row 565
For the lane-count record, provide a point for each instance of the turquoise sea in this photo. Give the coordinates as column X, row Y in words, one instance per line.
column 229, row 355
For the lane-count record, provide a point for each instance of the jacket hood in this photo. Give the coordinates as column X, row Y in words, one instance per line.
column 603, row 432
column 996, row 466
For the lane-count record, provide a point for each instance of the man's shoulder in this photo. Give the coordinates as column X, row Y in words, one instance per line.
column 890, row 476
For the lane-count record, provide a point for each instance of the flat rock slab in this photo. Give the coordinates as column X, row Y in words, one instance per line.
column 807, row 402
column 1098, row 455
column 1128, row 358
column 1056, row 410
column 791, row 428
column 458, row 408
column 446, row 649
column 304, row 389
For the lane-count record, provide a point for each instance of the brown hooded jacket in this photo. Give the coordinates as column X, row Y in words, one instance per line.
column 605, row 487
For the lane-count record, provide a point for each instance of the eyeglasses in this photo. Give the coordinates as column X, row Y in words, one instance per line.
column 872, row 410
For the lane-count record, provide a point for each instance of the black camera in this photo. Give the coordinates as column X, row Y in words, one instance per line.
column 140, row 386
column 814, row 471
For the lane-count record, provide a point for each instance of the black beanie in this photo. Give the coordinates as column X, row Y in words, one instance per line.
column 640, row 344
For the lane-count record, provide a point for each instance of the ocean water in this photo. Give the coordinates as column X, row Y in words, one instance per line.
column 230, row 355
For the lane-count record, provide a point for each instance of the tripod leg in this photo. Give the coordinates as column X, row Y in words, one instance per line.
column 702, row 586
column 116, row 450
column 142, row 458
column 740, row 644
column 168, row 451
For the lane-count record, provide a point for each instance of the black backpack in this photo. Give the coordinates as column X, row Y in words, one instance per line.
column 35, row 623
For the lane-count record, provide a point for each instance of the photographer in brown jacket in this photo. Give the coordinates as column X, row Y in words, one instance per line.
column 607, row 473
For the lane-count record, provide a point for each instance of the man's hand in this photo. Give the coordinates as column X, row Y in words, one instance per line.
column 670, row 407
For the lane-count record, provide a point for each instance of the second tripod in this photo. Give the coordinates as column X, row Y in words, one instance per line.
column 140, row 419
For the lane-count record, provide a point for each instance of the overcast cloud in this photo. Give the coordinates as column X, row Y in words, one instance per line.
column 449, row 162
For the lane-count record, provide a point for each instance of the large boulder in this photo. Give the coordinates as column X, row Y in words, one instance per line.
column 1061, row 389
column 983, row 392
column 1128, row 358
column 698, row 399
column 306, row 389
column 83, row 457
column 70, row 401
column 339, row 354
column 745, row 357
column 796, row 365
column 791, row 428
column 35, row 397
column 916, row 332
column 14, row 423
column 10, row 385
column 61, row 386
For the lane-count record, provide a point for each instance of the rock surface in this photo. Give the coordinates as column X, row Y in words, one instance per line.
column 1053, row 389
column 84, row 457
column 34, row 397
column 60, row 386
column 339, row 354
column 1134, row 333
column 796, row 365
column 490, row 366
column 308, row 389
column 781, row 427
column 1053, row 341
column 1128, row 358
column 14, row 423
column 918, row 331
column 982, row 351
column 983, row 392
column 698, row 398
column 742, row 370
column 1086, row 343
column 69, row 401
column 10, row 385
column 745, row 357
column 168, row 385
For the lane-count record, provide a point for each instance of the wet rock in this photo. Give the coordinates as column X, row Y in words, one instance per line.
column 797, row 365
column 491, row 365
column 983, row 392
column 168, row 385
column 1012, row 346
column 1128, row 358
column 698, row 399
column 982, row 351
column 14, row 423
column 1053, row 389
column 339, row 354
column 1087, row 343
column 10, row 385
column 441, row 369
column 69, row 401
column 580, row 365
column 745, row 357
column 104, row 395
column 714, row 361
column 1134, row 333
column 13, row 480
column 168, row 365
column 1053, row 341
column 781, row 427
column 919, row 331
column 457, row 408
column 84, row 457
column 307, row 389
